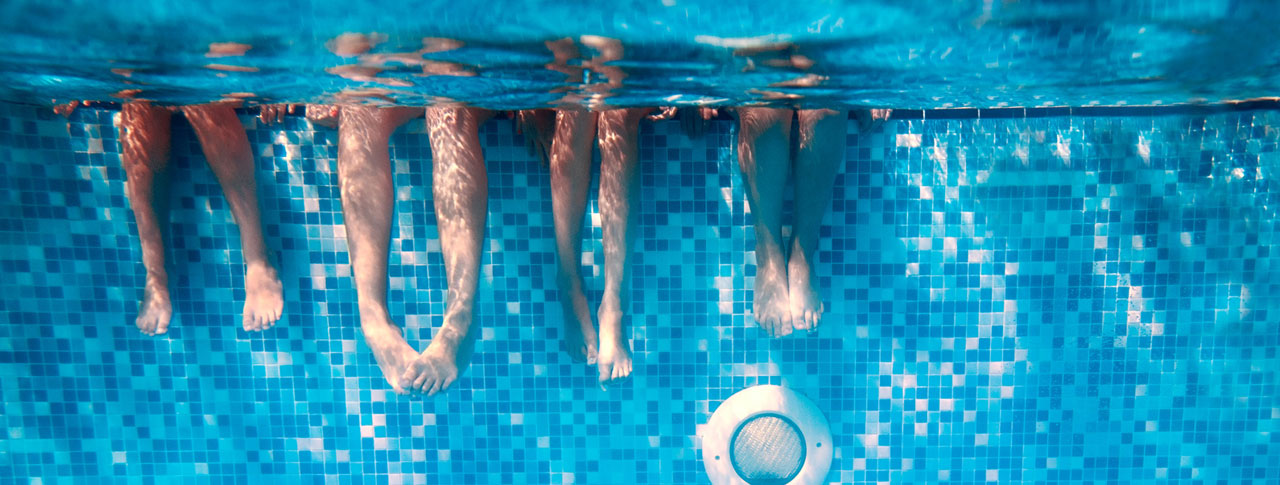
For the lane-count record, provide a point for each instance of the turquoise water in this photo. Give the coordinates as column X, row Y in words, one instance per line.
column 1049, row 295
column 677, row 52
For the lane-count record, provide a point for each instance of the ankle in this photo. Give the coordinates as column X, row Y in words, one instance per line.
column 157, row 282
column 373, row 311
column 770, row 266
column 458, row 320
column 610, row 305
column 448, row 337
column 258, row 265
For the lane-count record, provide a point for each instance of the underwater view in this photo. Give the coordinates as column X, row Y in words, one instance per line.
column 659, row 242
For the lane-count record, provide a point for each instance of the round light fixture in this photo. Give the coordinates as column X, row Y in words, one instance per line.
column 767, row 435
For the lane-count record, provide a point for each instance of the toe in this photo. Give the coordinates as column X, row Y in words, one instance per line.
column 605, row 372
column 405, row 383
column 420, row 384
column 433, row 387
column 409, row 375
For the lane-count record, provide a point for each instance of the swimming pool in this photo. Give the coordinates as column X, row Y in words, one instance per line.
column 1017, row 295
column 967, row 53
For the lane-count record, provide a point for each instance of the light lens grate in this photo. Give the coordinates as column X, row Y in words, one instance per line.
column 767, row 449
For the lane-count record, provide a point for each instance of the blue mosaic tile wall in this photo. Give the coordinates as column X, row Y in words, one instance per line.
column 1019, row 300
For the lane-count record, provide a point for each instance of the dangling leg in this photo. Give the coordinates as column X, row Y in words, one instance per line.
column 821, row 154
column 226, row 148
column 145, row 140
column 764, row 149
column 364, row 177
column 460, row 188
column 619, row 153
column 570, row 176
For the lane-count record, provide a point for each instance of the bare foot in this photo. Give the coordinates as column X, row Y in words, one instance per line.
column 806, row 302
column 615, row 350
column 323, row 115
column 772, row 308
column 155, row 310
column 437, row 367
column 390, row 349
column 580, row 340
column 263, row 302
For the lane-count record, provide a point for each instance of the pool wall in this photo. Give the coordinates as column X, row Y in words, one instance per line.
column 1035, row 298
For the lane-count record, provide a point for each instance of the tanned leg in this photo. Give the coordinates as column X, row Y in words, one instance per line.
column 364, row 177
column 460, row 187
column 144, row 139
column 226, row 148
column 575, row 133
column 619, row 154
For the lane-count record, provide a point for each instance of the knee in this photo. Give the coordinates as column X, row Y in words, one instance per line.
column 820, row 123
column 455, row 117
column 620, row 123
column 755, row 121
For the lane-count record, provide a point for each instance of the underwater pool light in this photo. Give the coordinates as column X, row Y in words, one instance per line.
column 767, row 435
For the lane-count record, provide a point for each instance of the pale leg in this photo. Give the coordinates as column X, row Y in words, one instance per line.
column 144, row 139
column 226, row 148
column 460, row 188
column 364, row 177
column 764, row 152
column 820, row 156
column 619, row 133
column 575, row 133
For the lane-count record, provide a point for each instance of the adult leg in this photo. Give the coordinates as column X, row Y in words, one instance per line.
column 364, row 177
column 460, row 187
column 619, row 133
column 764, row 150
column 226, row 148
column 145, row 142
column 822, row 133
column 570, row 175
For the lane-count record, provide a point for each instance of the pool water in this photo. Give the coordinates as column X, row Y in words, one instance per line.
column 1035, row 290
column 1039, row 299
column 975, row 53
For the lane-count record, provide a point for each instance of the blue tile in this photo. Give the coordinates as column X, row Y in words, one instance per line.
column 1030, row 298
